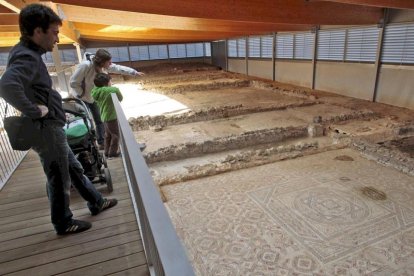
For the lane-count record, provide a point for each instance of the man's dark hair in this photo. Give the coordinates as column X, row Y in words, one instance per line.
column 36, row 15
column 101, row 79
column 101, row 57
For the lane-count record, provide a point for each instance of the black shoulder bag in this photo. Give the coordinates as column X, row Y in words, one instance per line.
column 23, row 132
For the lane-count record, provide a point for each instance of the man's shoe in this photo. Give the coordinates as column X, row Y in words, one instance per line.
column 75, row 226
column 107, row 203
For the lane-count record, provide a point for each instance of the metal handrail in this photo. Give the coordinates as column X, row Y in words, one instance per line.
column 164, row 252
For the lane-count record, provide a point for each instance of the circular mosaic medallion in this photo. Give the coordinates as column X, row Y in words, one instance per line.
column 331, row 206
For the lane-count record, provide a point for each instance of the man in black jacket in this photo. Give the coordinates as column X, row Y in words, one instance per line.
column 27, row 86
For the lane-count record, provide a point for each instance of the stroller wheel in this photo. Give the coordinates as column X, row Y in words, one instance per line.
column 108, row 180
column 104, row 161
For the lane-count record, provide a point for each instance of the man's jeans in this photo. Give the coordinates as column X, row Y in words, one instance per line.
column 100, row 128
column 63, row 169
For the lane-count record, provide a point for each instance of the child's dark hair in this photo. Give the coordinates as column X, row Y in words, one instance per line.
column 102, row 79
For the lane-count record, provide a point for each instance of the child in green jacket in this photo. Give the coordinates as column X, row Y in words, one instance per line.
column 101, row 93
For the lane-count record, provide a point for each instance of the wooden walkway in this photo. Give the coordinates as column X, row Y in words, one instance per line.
column 29, row 245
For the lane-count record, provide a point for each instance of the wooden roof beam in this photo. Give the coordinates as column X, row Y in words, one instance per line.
column 9, row 19
column 67, row 28
column 393, row 4
column 9, row 28
column 10, row 6
column 8, row 39
column 16, row 5
column 143, row 40
column 120, row 31
column 274, row 11
column 134, row 19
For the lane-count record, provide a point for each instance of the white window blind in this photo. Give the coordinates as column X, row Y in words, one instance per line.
column 114, row 53
column 162, row 51
column 267, row 46
column 398, row 44
column 158, row 51
column 331, row 44
column 190, row 49
column 207, row 47
column 89, row 50
column 232, row 48
column 304, row 45
column 241, row 47
column 47, row 58
column 123, row 54
column 362, row 44
column 284, row 46
column 3, row 58
column 177, row 51
column 139, row 52
column 199, row 51
column 254, row 47
column 153, row 52
column 68, row 55
column 173, row 51
column 143, row 53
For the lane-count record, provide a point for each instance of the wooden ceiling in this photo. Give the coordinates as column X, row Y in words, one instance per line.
column 167, row 21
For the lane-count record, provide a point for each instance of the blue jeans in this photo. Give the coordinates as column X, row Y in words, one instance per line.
column 63, row 169
column 100, row 128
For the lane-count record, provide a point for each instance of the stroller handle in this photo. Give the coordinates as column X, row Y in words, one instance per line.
column 80, row 102
column 86, row 115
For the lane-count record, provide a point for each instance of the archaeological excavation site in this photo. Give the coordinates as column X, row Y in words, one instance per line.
column 256, row 173
column 209, row 138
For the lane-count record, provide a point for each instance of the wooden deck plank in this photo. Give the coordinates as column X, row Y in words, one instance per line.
column 28, row 211
column 136, row 271
column 30, row 246
column 41, row 247
column 27, row 231
column 59, row 255
column 50, row 235
column 14, row 224
column 83, row 260
column 132, row 261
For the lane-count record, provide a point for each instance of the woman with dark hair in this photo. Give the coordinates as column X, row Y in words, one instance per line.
column 82, row 83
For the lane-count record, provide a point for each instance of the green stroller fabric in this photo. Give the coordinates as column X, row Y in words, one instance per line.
column 75, row 130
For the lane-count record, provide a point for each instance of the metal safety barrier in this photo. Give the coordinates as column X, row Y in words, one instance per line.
column 164, row 252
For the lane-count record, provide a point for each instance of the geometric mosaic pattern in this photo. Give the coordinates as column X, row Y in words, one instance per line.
column 306, row 216
column 330, row 221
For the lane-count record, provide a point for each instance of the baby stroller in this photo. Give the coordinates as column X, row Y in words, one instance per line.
column 81, row 136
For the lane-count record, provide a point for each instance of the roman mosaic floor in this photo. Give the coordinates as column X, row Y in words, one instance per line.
column 318, row 215
column 264, row 178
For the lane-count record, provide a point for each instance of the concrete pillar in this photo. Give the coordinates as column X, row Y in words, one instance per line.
column 379, row 53
column 62, row 82
column 78, row 52
column 315, row 55
column 274, row 56
column 247, row 55
column 129, row 55
column 226, row 54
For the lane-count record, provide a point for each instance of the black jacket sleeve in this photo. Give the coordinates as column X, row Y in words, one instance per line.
column 19, row 74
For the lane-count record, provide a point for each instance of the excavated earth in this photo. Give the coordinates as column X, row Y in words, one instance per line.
column 257, row 175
